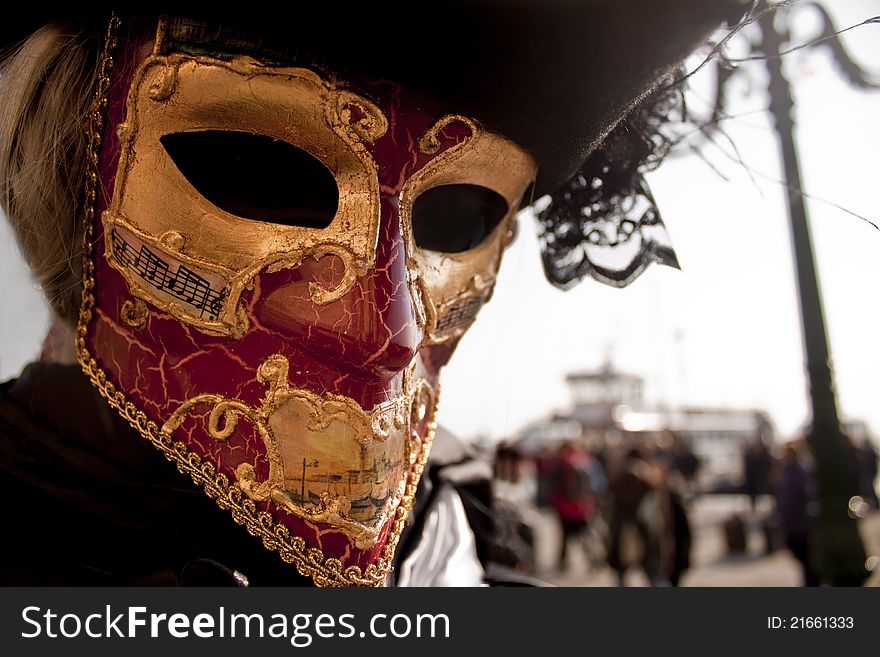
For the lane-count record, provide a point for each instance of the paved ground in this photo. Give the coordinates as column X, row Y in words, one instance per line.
column 711, row 566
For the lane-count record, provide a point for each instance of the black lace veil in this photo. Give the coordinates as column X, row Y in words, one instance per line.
column 603, row 223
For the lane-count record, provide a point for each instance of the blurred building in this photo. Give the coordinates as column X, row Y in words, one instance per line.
column 608, row 408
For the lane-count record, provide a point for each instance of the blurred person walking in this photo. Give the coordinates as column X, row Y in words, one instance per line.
column 757, row 463
column 649, row 526
column 635, row 519
column 680, row 461
column 795, row 499
column 574, row 480
column 675, row 533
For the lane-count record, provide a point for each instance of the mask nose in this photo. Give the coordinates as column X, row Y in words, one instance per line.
column 372, row 330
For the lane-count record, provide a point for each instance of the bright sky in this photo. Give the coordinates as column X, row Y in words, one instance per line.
column 723, row 332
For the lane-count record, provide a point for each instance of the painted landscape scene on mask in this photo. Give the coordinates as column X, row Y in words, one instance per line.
column 331, row 460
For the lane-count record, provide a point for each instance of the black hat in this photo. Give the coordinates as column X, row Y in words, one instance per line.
column 552, row 75
column 555, row 76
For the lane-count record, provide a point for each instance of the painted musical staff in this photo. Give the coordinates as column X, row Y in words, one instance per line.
column 182, row 283
column 460, row 314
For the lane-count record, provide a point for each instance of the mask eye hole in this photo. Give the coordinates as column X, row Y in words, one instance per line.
column 256, row 176
column 455, row 218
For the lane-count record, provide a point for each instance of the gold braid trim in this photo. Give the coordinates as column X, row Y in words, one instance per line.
column 310, row 562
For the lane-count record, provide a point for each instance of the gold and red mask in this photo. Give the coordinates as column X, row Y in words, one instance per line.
column 281, row 262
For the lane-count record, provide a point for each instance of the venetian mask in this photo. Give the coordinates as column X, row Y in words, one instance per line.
column 283, row 259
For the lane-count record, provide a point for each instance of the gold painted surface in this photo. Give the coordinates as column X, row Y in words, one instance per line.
column 329, row 460
column 452, row 282
column 309, row 562
column 178, row 93
column 134, row 313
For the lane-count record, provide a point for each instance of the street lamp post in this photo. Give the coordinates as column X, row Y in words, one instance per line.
column 839, row 550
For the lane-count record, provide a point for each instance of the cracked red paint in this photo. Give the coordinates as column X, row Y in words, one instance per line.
column 357, row 346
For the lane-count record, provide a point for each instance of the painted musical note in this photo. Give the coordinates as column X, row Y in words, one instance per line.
column 182, row 283
column 152, row 268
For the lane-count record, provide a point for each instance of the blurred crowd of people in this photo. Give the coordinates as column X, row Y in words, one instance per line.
column 627, row 505
column 624, row 506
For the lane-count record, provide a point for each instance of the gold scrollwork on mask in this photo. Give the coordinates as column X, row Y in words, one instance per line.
column 329, row 460
column 355, row 119
column 179, row 93
column 134, row 313
column 429, row 142
column 452, row 286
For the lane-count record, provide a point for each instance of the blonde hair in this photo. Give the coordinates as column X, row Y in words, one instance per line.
column 45, row 91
